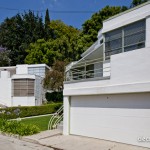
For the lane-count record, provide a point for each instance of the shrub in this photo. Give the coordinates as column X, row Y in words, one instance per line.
column 26, row 111
column 54, row 97
column 19, row 128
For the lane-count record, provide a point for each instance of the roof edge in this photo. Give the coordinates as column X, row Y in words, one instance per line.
column 127, row 11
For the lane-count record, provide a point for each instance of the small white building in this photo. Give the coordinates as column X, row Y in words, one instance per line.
column 21, row 85
column 107, row 92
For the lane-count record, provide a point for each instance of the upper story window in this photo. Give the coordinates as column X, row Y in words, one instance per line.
column 39, row 71
column 124, row 39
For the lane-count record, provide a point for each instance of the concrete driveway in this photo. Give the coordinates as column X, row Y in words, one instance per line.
column 55, row 140
column 10, row 143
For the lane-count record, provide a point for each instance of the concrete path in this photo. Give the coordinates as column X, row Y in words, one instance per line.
column 54, row 139
column 10, row 143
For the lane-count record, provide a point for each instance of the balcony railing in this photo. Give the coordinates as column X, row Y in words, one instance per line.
column 86, row 70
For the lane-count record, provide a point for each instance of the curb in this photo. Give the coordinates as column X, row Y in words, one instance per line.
column 11, row 135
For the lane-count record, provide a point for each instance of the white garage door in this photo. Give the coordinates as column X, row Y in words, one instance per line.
column 122, row 118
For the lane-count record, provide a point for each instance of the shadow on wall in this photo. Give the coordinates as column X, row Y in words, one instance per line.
column 125, row 101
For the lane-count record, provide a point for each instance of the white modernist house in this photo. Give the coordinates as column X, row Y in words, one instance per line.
column 107, row 92
column 21, row 85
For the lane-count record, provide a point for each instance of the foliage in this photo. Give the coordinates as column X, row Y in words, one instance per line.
column 26, row 111
column 18, row 128
column 18, row 32
column 60, row 47
column 137, row 2
column 48, row 33
column 54, row 97
column 32, row 41
column 47, row 19
column 40, row 122
column 4, row 57
column 55, row 77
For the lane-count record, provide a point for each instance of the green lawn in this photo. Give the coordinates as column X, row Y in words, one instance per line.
column 41, row 122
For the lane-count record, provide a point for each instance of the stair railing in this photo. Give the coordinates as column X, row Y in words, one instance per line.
column 55, row 119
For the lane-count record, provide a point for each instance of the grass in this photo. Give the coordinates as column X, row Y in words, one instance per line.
column 41, row 122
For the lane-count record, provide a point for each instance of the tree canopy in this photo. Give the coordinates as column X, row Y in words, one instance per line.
column 4, row 57
column 32, row 40
column 60, row 47
column 18, row 32
column 55, row 77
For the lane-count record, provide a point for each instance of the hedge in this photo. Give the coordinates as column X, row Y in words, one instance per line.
column 54, row 97
column 26, row 111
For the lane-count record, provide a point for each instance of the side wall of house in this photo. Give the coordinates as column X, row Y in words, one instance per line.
column 38, row 91
column 5, row 88
column 23, row 101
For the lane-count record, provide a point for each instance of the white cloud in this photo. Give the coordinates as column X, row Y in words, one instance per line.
column 49, row 3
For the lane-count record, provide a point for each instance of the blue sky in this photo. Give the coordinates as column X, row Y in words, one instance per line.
column 74, row 19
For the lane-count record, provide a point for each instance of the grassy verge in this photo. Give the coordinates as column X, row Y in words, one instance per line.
column 40, row 122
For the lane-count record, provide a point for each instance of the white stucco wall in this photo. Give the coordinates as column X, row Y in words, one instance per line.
column 38, row 91
column 66, row 119
column 148, row 31
column 127, row 17
column 5, row 88
column 23, row 101
column 22, row 69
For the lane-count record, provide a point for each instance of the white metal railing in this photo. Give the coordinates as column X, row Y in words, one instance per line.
column 94, row 68
column 56, row 119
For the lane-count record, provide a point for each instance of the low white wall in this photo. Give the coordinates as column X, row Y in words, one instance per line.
column 5, row 88
column 22, row 69
column 23, row 101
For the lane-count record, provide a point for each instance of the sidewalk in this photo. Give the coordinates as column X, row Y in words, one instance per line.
column 54, row 139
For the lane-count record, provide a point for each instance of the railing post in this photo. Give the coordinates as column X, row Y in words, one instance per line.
column 85, row 70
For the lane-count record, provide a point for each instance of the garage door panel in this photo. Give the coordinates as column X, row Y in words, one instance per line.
column 123, row 123
column 119, row 124
column 144, row 113
column 133, row 101
column 108, row 134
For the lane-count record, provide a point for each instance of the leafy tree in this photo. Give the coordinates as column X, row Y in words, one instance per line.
column 4, row 57
column 47, row 19
column 48, row 33
column 55, row 77
column 137, row 2
column 42, row 52
column 18, row 32
column 60, row 47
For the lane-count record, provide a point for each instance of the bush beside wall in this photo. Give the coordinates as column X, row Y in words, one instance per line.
column 26, row 111
column 18, row 128
column 54, row 97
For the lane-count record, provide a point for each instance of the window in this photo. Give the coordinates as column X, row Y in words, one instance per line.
column 101, row 41
column 134, row 36
column 23, row 87
column 39, row 71
column 113, row 42
column 127, row 38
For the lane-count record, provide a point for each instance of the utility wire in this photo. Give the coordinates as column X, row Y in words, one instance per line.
column 51, row 11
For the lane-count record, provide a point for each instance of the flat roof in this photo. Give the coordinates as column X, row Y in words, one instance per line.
column 38, row 65
column 8, row 67
column 129, row 10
